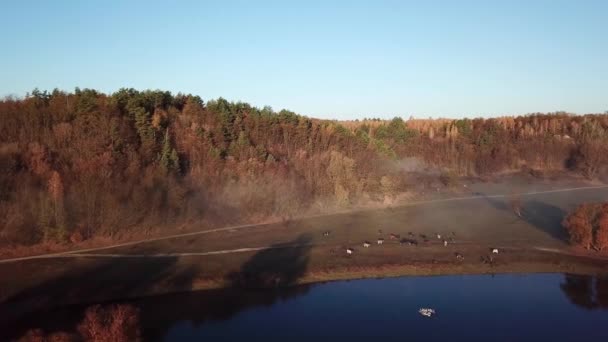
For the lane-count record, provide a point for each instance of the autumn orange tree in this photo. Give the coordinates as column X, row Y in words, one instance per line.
column 113, row 322
column 578, row 226
column 587, row 226
column 83, row 164
column 601, row 235
column 116, row 322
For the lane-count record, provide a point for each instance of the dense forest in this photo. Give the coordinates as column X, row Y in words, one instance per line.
column 79, row 165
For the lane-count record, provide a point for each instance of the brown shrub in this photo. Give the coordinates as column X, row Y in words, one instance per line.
column 117, row 323
column 37, row 335
column 76, row 237
column 448, row 178
column 33, row 335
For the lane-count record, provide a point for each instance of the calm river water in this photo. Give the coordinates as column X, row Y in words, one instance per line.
column 539, row 307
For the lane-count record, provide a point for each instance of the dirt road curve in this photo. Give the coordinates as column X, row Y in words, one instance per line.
column 81, row 252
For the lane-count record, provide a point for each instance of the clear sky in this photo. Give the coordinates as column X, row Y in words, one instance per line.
column 329, row 59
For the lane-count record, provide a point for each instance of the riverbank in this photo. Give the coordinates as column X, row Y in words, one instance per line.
column 314, row 250
column 61, row 282
column 513, row 261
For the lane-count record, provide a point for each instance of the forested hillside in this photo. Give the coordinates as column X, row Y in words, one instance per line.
column 78, row 165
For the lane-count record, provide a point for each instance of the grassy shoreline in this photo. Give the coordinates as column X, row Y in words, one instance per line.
column 95, row 286
column 531, row 243
column 590, row 267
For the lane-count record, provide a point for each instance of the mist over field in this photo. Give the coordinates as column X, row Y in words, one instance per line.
column 279, row 170
column 81, row 165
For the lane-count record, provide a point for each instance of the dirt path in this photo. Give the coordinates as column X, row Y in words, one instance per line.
column 81, row 252
column 170, row 255
column 255, row 249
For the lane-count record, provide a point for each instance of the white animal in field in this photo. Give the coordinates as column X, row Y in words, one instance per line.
column 349, row 251
column 459, row 256
column 494, row 250
column 445, row 243
column 380, row 241
column 438, row 236
column 366, row 244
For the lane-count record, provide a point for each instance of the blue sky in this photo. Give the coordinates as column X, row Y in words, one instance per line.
column 329, row 59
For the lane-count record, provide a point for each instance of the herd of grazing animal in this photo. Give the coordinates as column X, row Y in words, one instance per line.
column 411, row 241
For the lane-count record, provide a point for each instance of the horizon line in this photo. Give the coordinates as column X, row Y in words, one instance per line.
column 363, row 117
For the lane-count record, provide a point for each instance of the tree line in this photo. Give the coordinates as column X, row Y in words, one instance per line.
column 587, row 226
column 75, row 165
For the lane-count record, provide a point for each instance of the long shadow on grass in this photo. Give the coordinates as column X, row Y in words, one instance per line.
column 158, row 314
column 543, row 216
column 94, row 281
column 546, row 217
column 280, row 265
column 261, row 281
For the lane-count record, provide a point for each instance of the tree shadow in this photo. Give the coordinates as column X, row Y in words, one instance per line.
column 159, row 314
column 261, row 281
column 96, row 281
column 546, row 217
column 496, row 202
column 585, row 291
column 543, row 216
column 280, row 265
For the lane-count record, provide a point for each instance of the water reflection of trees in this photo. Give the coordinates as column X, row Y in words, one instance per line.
column 159, row 314
column 588, row 292
column 261, row 281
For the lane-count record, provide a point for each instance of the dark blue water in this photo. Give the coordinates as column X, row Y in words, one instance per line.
column 500, row 308
column 544, row 307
